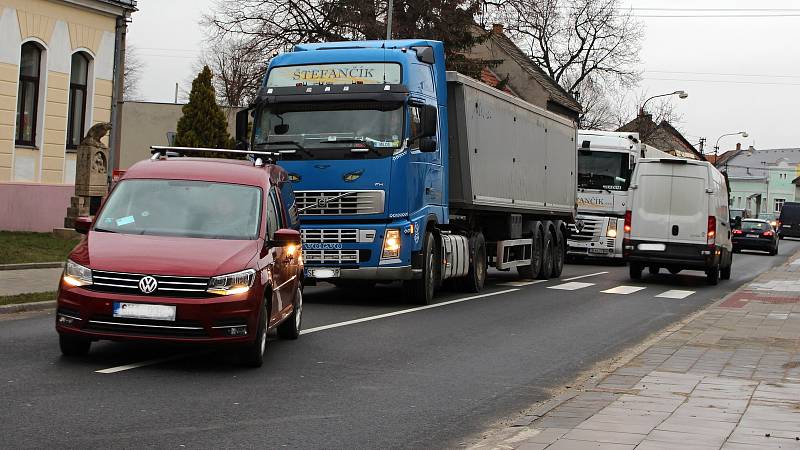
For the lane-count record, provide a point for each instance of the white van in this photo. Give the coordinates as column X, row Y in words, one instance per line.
column 678, row 219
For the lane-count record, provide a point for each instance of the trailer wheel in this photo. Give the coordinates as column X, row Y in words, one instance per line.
column 421, row 290
column 560, row 251
column 532, row 270
column 474, row 280
column 548, row 246
column 635, row 270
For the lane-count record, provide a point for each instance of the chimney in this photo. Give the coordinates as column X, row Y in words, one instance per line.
column 738, row 146
column 497, row 28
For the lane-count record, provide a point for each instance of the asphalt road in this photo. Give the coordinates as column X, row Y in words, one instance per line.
column 425, row 378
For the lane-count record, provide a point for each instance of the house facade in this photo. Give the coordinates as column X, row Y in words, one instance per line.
column 662, row 136
column 57, row 72
column 761, row 181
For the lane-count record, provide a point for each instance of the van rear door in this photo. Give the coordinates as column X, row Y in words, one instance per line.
column 651, row 203
column 688, row 213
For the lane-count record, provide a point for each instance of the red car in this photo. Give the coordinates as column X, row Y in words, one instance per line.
column 197, row 250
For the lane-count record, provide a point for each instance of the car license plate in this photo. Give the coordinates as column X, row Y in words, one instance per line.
column 598, row 250
column 786, row 226
column 652, row 247
column 752, row 235
column 144, row 311
column 323, row 272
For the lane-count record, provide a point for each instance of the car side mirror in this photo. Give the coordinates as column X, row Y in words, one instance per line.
column 427, row 145
column 242, row 122
column 284, row 237
column 83, row 225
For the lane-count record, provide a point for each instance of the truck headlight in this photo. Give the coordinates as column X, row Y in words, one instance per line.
column 611, row 230
column 232, row 283
column 391, row 244
column 76, row 274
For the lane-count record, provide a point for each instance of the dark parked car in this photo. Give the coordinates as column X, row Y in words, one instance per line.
column 789, row 220
column 755, row 234
column 196, row 250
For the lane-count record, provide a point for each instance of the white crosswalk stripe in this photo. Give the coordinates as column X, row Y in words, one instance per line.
column 521, row 283
column 623, row 290
column 573, row 286
column 675, row 294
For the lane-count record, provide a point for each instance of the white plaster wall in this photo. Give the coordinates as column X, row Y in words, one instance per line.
column 10, row 39
column 104, row 63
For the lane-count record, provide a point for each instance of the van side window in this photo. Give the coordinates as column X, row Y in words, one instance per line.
column 273, row 214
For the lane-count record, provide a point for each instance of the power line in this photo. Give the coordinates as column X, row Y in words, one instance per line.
column 768, row 83
column 713, row 16
column 724, row 74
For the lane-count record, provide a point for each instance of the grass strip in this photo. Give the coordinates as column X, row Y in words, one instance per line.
column 28, row 298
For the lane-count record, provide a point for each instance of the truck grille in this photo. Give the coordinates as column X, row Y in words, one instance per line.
column 329, row 236
column 331, row 256
column 590, row 229
column 128, row 283
column 357, row 202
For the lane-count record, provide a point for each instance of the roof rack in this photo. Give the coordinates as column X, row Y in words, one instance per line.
column 162, row 152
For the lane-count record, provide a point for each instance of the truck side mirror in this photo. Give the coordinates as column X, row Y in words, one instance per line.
column 427, row 145
column 242, row 122
column 429, row 121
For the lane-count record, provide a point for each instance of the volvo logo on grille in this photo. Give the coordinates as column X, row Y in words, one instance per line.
column 148, row 284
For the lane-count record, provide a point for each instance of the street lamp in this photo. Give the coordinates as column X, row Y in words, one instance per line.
column 681, row 94
column 716, row 147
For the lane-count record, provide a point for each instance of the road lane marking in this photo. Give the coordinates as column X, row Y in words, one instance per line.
column 623, row 290
column 676, row 294
column 403, row 311
column 574, row 286
column 584, row 276
column 521, row 283
column 149, row 362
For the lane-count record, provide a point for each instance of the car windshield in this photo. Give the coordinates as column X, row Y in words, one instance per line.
column 603, row 170
column 197, row 209
column 755, row 226
column 313, row 130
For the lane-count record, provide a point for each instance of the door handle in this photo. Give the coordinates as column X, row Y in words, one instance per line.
column 675, row 230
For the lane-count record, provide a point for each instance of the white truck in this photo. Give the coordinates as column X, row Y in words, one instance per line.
column 605, row 163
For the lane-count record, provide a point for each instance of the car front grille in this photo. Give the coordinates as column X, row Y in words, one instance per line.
column 329, row 236
column 142, row 327
column 591, row 228
column 128, row 283
column 325, row 203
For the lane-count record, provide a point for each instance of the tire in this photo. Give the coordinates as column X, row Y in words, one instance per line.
column 252, row 354
column 653, row 270
column 532, row 270
column 725, row 272
column 73, row 345
column 674, row 270
column 290, row 328
column 774, row 251
column 548, row 245
column 635, row 270
column 422, row 290
column 560, row 251
column 476, row 277
column 712, row 276
column 737, row 250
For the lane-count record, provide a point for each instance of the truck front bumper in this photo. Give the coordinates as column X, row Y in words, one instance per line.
column 373, row 274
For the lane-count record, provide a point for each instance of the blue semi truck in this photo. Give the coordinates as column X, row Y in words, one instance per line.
column 405, row 172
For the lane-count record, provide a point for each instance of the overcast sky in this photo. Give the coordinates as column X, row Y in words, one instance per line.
column 742, row 73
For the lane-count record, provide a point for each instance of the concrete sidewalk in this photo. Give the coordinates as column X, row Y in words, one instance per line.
column 26, row 281
column 727, row 379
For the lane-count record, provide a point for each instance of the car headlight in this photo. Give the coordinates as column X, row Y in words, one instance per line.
column 611, row 230
column 232, row 283
column 76, row 274
column 391, row 244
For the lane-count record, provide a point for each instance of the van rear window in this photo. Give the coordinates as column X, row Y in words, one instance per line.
column 790, row 212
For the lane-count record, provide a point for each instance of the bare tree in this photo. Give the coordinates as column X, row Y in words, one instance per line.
column 590, row 47
column 132, row 74
column 238, row 70
column 626, row 108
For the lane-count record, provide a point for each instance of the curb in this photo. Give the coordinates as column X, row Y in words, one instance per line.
column 43, row 265
column 23, row 307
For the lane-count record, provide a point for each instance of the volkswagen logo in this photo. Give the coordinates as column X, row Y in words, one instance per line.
column 148, row 284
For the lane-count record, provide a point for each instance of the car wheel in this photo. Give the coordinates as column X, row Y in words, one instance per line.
column 73, row 345
column 712, row 275
column 422, row 290
column 547, row 253
column 531, row 270
column 252, row 354
column 635, row 271
column 653, row 270
column 559, row 251
column 290, row 328
column 476, row 277
column 737, row 250
column 774, row 251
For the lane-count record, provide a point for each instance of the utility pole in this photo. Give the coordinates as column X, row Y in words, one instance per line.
column 176, row 93
column 389, row 20
column 702, row 144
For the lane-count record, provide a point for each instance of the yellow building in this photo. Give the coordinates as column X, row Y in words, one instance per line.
column 57, row 79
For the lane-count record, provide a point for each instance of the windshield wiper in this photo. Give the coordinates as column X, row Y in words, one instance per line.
column 298, row 145
column 104, row 230
column 370, row 146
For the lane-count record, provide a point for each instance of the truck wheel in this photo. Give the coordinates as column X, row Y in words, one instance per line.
column 476, row 277
column 712, row 275
column 531, row 270
column 560, row 251
column 636, row 271
column 546, row 268
column 252, row 354
column 654, row 270
column 290, row 328
column 674, row 270
column 73, row 345
column 421, row 291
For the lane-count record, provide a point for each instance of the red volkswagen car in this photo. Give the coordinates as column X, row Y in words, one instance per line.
column 197, row 250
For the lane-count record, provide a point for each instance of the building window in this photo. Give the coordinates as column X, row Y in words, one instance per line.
column 76, row 121
column 779, row 204
column 28, row 94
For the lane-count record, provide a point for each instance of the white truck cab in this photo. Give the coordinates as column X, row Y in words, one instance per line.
column 678, row 219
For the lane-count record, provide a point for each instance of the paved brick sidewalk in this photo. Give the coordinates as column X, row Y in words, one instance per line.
column 729, row 378
column 13, row 282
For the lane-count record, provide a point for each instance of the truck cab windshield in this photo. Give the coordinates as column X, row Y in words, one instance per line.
column 603, row 170
column 330, row 130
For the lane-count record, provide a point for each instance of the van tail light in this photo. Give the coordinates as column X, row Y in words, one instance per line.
column 627, row 226
column 627, row 246
column 711, row 234
column 768, row 233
